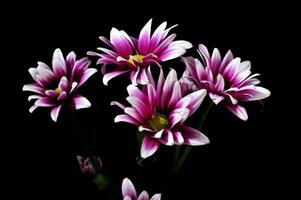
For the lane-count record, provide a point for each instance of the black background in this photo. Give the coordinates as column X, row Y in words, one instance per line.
column 244, row 159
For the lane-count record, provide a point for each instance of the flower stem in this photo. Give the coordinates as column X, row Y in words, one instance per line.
column 100, row 179
column 180, row 162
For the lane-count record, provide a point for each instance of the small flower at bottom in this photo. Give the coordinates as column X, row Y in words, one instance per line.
column 160, row 110
column 129, row 192
column 86, row 166
column 227, row 80
column 57, row 87
column 129, row 54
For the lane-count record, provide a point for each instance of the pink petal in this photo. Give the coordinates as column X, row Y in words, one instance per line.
column 58, row 63
column 178, row 138
column 106, row 41
column 115, row 103
column 232, row 69
column 80, row 102
column 64, row 84
column 161, row 81
column 176, row 95
column 144, row 38
column 227, row 59
column 55, row 113
column 33, row 97
column 33, row 72
column 32, row 108
column 51, row 93
column 204, row 53
column 128, row 189
column 216, row 98
column 133, row 113
column 145, row 128
column 86, row 75
column 193, row 137
column 192, row 101
column 159, row 134
column 171, row 54
column 107, row 51
column 143, row 196
column 148, row 147
column 121, row 44
column 164, row 44
column 142, row 79
column 215, row 60
column 135, row 92
column 157, row 36
column 238, row 110
column 219, row 83
column 33, row 88
column 156, row 197
column 70, row 59
column 143, row 108
column 125, row 118
column 62, row 96
column 167, row 138
column 134, row 76
column 152, row 96
column 178, row 116
column 111, row 75
column 44, row 102
column 168, row 88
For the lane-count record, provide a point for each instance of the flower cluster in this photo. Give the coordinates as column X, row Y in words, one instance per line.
column 158, row 106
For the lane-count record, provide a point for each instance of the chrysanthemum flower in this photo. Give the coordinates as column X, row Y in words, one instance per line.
column 132, row 55
column 129, row 192
column 228, row 80
column 57, row 87
column 160, row 111
column 85, row 165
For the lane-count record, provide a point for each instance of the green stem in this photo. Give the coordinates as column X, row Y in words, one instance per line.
column 180, row 162
column 177, row 154
column 100, row 179
column 187, row 150
column 139, row 136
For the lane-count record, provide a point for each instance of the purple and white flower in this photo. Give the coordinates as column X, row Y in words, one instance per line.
column 160, row 110
column 57, row 86
column 128, row 54
column 227, row 80
column 129, row 192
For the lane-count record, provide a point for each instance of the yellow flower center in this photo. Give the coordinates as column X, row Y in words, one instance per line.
column 58, row 90
column 158, row 122
column 138, row 58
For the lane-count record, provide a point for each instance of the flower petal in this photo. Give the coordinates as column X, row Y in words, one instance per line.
column 167, row 138
column 71, row 59
column 58, row 63
column 143, row 196
column 193, row 137
column 115, row 103
column 148, row 147
column 156, row 197
column 192, row 101
column 44, row 102
column 128, row 189
column 80, row 102
column 238, row 110
column 125, row 118
column 33, row 88
column 144, row 38
column 55, row 113
column 111, row 75
column 86, row 75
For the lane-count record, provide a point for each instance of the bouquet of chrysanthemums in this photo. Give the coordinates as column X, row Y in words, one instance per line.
column 158, row 106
